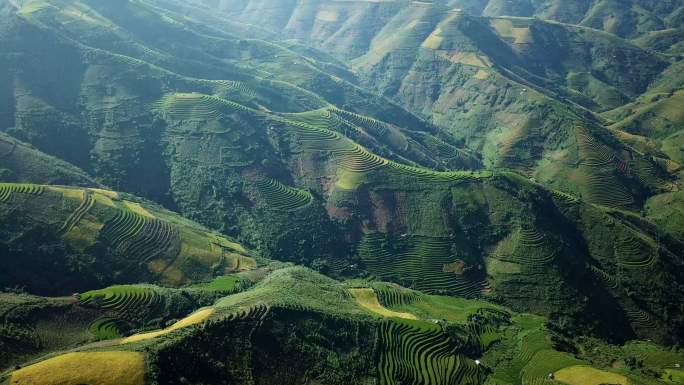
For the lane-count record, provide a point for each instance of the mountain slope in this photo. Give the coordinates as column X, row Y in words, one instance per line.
column 511, row 89
column 91, row 237
column 275, row 150
column 296, row 325
column 23, row 163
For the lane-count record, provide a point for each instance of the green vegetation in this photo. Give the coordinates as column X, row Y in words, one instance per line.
column 226, row 285
column 494, row 186
column 22, row 163
column 419, row 352
column 586, row 375
column 8, row 189
column 96, row 228
column 667, row 210
column 105, row 328
column 420, row 263
column 441, row 346
column 281, row 197
column 107, row 368
column 121, row 298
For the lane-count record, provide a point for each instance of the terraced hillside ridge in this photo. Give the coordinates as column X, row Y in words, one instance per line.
column 101, row 237
column 252, row 328
column 36, row 326
column 483, row 95
column 511, row 89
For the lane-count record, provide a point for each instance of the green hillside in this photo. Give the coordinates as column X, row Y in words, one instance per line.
column 90, row 238
column 511, row 89
column 447, row 192
column 272, row 338
column 23, row 163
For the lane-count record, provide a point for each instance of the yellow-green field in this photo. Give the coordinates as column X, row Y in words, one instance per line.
column 586, row 375
column 193, row 319
column 367, row 298
column 673, row 376
column 92, row 368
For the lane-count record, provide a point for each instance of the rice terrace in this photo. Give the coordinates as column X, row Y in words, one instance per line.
column 337, row 192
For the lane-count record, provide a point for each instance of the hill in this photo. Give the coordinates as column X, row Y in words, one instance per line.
column 59, row 240
column 509, row 88
column 266, row 334
column 25, row 164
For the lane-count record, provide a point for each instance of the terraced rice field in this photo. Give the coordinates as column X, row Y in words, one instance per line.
column 391, row 296
column 105, row 328
column 564, row 196
column 282, row 197
column 345, row 153
column 654, row 356
column 610, row 281
column 321, row 118
column 640, row 319
column 374, row 127
column 122, row 299
column 86, row 204
column 443, row 149
column 586, row 375
column 125, row 225
column 423, row 175
column 101, row 368
column 338, row 265
column 254, row 312
column 605, row 189
column 416, row 352
column 195, row 106
column 527, row 246
column 650, row 175
column 360, row 160
column 599, row 165
column 367, row 299
column 419, row 264
column 7, row 190
column 193, row 319
column 354, row 158
column 633, row 252
column 593, row 152
column 544, row 362
column 156, row 239
column 229, row 86
column 531, row 341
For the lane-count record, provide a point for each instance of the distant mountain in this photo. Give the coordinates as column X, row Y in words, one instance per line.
column 514, row 90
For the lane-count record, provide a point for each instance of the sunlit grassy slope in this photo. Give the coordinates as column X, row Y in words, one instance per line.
column 136, row 238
